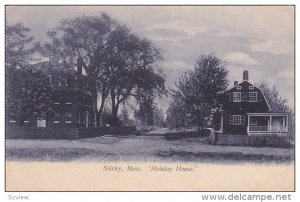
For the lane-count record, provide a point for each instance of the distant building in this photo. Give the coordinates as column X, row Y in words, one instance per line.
column 72, row 101
column 246, row 113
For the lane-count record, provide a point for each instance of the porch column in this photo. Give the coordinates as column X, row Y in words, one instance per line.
column 87, row 119
column 270, row 125
column 248, row 126
column 221, row 124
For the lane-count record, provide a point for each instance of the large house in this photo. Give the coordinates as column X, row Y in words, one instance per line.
column 246, row 115
column 72, row 101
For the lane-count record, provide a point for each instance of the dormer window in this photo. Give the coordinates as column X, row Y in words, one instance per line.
column 53, row 58
column 236, row 97
column 251, row 87
column 239, row 87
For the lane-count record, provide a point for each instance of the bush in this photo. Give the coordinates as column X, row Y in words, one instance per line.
column 107, row 118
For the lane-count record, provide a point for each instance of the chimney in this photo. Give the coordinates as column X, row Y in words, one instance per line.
column 79, row 66
column 245, row 75
column 235, row 83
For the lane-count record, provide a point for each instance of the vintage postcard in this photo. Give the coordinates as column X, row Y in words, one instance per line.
column 149, row 98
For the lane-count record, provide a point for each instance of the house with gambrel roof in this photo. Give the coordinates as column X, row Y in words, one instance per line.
column 246, row 115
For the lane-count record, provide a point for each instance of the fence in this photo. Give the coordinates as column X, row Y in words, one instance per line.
column 14, row 132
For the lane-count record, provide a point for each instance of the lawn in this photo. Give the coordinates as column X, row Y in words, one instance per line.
column 142, row 148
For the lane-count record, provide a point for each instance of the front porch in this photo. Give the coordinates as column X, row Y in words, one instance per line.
column 267, row 124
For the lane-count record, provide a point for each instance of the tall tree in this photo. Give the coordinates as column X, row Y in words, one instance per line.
column 278, row 104
column 158, row 119
column 84, row 40
column 145, row 111
column 18, row 46
column 28, row 95
column 275, row 101
column 27, row 91
column 199, row 88
column 124, row 117
column 130, row 61
column 151, row 85
column 176, row 113
column 115, row 59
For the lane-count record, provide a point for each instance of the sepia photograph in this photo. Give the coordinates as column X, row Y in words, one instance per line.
column 150, row 98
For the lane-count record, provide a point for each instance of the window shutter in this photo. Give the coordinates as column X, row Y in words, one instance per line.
column 243, row 97
column 259, row 94
column 247, row 97
column 230, row 97
column 242, row 119
column 230, row 120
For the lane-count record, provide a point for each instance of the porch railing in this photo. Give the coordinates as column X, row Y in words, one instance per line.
column 267, row 128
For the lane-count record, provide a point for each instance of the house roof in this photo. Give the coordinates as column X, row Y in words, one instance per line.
column 52, row 67
column 250, row 84
column 269, row 114
column 239, row 84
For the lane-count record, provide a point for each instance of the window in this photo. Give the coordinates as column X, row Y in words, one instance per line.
column 66, row 82
column 79, row 116
column 230, row 97
column 50, row 80
column 252, row 96
column 253, row 121
column 56, row 117
column 68, row 108
column 236, row 96
column 90, row 118
column 82, row 117
column 87, row 118
column 239, row 87
column 282, row 121
column 243, row 97
column 68, row 117
column 251, row 87
column 259, row 96
column 41, row 123
column 236, row 120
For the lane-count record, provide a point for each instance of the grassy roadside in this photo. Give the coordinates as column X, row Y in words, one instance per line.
column 82, row 154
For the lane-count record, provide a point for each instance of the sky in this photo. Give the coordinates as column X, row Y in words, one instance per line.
column 259, row 39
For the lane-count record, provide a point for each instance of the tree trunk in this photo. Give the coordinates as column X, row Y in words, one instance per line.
column 98, row 119
column 117, row 108
column 114, row 110
column 94, row 95
column 99, row 113
column 113, row 102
